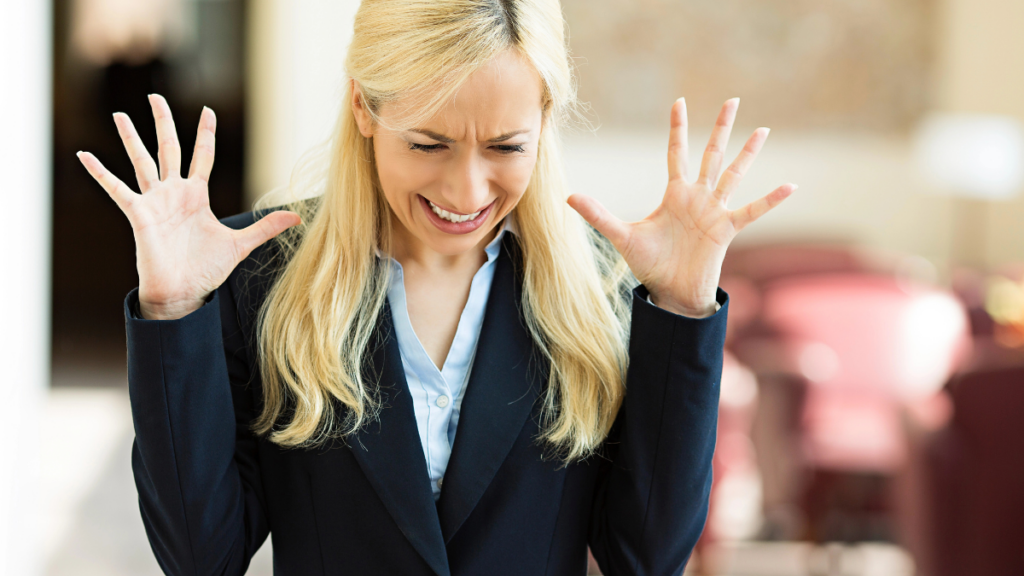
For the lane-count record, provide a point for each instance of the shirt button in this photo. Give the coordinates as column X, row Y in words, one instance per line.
column 442, row 401
column 439, row 480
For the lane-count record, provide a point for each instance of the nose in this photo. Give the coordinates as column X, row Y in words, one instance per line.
column 467, row 184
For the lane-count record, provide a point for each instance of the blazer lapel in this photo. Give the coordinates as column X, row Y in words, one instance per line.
column 390, row 454
column 502, row 388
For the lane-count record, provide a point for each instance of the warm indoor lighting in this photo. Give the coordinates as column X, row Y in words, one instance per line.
column 972, row 155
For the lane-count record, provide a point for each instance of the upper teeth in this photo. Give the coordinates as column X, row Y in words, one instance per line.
column 452, row 217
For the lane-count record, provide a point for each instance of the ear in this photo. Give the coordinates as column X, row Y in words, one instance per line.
column 362, row 115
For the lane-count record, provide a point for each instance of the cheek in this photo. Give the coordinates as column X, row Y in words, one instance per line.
column 400, row 173
column 514, row 177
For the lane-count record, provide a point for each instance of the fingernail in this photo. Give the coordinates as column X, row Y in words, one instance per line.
column 78, row 154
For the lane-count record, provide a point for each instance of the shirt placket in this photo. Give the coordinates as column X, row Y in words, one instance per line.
column 441, row 406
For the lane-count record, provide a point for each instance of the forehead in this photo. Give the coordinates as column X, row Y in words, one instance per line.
column 502, row 96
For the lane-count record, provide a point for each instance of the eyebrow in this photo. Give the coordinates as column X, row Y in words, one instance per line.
column 448, row 140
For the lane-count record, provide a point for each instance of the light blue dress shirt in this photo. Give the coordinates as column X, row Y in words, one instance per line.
column 437, row 394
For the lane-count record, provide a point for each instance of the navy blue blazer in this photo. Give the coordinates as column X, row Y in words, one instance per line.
column 210, row 491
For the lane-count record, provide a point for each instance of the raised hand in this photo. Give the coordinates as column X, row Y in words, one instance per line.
column 677, row 251
column 183, row 252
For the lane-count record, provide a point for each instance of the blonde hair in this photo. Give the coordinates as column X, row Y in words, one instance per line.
column 317, row 321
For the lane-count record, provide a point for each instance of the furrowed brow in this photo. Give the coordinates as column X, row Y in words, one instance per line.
column 433, row 135
column 448, row 140
column 508, row 135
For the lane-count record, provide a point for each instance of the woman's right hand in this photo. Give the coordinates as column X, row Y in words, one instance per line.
column 183, row 252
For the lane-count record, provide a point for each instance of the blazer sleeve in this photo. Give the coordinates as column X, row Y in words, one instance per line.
column 194, row 458
column 651, row 499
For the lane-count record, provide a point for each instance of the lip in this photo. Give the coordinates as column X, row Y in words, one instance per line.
column 455, row 227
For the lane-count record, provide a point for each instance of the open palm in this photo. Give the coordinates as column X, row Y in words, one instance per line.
column 183, row 252
column 677, row 251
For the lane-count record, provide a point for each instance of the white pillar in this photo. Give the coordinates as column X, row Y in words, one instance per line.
column 25, row 151
column 296, row 55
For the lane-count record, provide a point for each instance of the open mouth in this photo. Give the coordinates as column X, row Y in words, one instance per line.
column 452, row 222
column 452, row 216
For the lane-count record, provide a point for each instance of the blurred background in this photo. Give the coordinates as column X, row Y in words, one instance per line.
column 872, row 399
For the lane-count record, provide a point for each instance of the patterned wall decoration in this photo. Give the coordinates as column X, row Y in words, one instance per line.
column 861, row 64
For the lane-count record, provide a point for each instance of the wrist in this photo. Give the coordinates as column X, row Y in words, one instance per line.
column 169, row 311
column 703, row 310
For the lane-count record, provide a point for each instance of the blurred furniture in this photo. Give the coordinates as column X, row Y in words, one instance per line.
column 976, row 467
column 747, row 272
column 851, row 349
column 749, row 269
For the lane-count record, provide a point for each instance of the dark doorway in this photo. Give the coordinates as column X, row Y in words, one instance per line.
column 195, row 58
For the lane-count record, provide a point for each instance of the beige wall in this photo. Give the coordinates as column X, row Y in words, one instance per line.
column 295, row 70
column 26, row 162
column 853, row 187
column 981, row 69
column 798, row 63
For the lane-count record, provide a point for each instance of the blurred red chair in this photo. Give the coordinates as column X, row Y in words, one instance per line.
column 747, row 269
column 976, row 487
column 746, row 272
column 865, row 347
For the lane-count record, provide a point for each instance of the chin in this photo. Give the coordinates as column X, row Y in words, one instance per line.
column 453, row 245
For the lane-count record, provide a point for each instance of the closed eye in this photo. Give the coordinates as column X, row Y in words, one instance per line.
column 425, row 147
column 501, row 148
column 510, row 148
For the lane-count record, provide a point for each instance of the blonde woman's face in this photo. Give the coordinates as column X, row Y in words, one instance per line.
column 450, row 181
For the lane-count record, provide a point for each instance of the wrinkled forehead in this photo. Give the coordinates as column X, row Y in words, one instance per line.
column 503, row 95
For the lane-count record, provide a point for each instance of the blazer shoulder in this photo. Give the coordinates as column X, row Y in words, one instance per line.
column 239, row 221
column 244, row 219
column 253, row 277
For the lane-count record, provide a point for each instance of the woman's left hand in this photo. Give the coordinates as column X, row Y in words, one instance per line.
column 677, row 251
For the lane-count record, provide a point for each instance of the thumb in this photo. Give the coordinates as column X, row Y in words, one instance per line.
column 601, row 218
column 264, row 229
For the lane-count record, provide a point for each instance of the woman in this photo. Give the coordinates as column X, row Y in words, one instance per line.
column 311, row 387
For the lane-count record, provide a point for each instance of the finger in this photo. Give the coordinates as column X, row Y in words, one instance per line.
column 247, row 239
column 121, row 194
column 599, row 217
column 169, row 150
column 145, row 169
column 678, row 145
column 751, row 212
column 202, row 156
column 734, row 173
column 714, row 154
